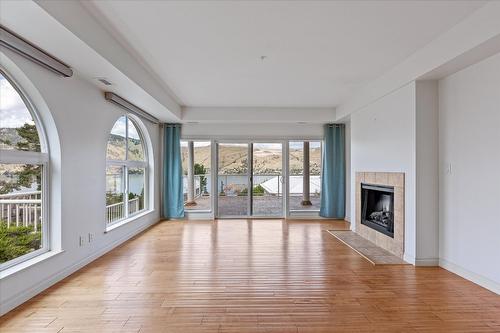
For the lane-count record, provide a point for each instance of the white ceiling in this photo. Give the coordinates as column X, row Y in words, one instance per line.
column 318, row 53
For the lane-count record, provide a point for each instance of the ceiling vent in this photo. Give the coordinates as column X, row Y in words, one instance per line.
column 104, row 81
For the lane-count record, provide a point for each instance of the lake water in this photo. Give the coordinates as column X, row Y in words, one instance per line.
column 135, row 183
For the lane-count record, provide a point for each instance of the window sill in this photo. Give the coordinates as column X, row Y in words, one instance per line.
column 28, row 263
column 127, row 220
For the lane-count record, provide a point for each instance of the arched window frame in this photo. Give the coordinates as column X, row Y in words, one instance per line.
column 31, row 157
column 127, row 164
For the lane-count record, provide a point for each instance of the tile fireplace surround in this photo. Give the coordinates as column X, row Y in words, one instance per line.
column 397, row 180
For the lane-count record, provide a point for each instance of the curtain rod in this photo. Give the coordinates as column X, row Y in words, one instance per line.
column 115, row 99
column 21, row 46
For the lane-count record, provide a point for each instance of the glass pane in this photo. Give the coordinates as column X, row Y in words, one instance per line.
column 17, row 128
column 315, row 174
column 115, row 209
column 297, row 199
column 116, row 141
column 233, row 159
column 20, row 210
column 296, row 160
column 267, row 179
column 202, row 178
column 232, row 184
column 184, row 157
column 135, row 144
column 202, row 182
column 136, row 186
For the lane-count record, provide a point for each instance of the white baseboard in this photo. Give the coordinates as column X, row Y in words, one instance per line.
column 409, row 258
column 471, row 276
column 19, row 299
column 427, row 262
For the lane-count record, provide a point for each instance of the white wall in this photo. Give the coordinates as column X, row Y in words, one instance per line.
column 256, row 130
column 469, row 193
column 427, row 203
column 383, row 140
column 83, row 120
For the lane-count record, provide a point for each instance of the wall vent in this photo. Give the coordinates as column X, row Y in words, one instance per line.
column 104, row 81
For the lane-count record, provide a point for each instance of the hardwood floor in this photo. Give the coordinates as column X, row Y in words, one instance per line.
column 253, row 276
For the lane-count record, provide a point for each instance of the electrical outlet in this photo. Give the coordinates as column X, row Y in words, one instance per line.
column 91, row 237
column 81, row 241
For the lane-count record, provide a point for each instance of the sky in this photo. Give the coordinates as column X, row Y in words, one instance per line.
column 119, row 128
column 13, row 111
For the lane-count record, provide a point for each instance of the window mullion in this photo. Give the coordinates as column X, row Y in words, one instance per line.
column 125, row 199
column 126, row 138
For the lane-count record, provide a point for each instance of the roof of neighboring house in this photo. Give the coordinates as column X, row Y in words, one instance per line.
column 272, row 185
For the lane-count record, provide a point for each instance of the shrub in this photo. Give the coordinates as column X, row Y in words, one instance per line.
column 257, row 191
column 17, row 241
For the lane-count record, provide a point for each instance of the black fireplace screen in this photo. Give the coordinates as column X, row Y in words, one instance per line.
column 377, row 208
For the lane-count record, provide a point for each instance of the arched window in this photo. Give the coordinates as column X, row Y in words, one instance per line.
column 126, row 171
column 24, row 163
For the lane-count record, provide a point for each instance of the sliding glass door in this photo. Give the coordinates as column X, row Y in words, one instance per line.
column 257, row 178
column 267, row 179
column 250, row 179
column 233, row 179
column 304, row 170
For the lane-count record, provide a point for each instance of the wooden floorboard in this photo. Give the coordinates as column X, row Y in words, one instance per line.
column 253, row 276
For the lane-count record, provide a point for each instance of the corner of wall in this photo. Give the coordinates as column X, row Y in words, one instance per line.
column 426, row 170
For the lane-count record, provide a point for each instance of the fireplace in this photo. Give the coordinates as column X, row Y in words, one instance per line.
column 377, row 208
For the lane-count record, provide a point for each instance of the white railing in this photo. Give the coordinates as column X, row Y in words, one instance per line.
column 21, row 209
column 133, row 206
column 116, row 211
column 197, row 185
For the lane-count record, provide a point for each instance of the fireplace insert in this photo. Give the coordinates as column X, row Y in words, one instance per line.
column 377, row 208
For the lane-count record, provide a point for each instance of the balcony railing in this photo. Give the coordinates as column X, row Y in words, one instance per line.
column 21, row 209
column 115, row 212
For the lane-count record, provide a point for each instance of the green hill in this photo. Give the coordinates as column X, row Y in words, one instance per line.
column 233, row 160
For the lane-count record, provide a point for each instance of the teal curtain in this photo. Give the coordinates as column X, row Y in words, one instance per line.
column 333, row 172
column 173, row 200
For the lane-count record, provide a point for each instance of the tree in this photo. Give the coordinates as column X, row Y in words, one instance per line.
column 200, row 170
column 29, row 173
column 30, row 141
